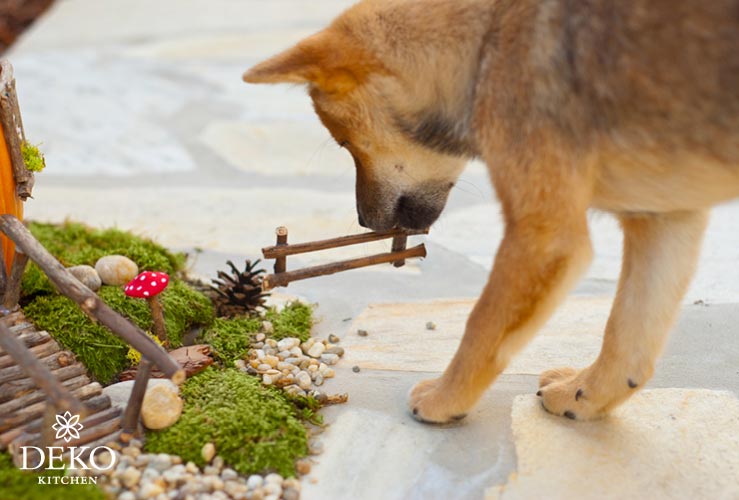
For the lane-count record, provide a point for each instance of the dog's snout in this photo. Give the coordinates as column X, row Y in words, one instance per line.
column 417, row 212
column 360, row 219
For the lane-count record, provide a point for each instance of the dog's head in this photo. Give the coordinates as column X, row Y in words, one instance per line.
column 405, row 167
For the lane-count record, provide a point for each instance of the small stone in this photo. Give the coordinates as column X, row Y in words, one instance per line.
column 162, row 406
column 209, row 470
column 355, row 369
column 191, row 467
column 268, row 327
column 330, row 359
column 333, row 339
column 173, row 475
column 316, row 350
column 229, row 474
column 318, row 380
column 150, row 490
column 135, row 443
column 235, row 489
column 273, row 478
column 293, row 361
column 260, row 337
column 362, row 333
column 88, row 276
column 296, row 351
column 339, row 351
column 304, row 380
column 208, row 452
column 161, row 462
column 218, row 462
column 290, row 494
column 127, row 495
column 130, row 477
column 303, row 466
column 271, row 343
column 294, row 390
column 284, row 354
column 254, row 481
column 291, row 482
column 287, row 343
column 315, row 447
column 328, row 373
column 149, row 474
column 264, row 367
column 116, row 270
column 131, row 451
column 430, row 325
column 271, row 360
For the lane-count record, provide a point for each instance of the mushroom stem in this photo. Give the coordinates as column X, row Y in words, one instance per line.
column 157, row 315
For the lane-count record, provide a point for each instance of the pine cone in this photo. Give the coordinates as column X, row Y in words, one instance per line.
column 240, row 293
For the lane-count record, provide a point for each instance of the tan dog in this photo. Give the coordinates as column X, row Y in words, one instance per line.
column 627, row 106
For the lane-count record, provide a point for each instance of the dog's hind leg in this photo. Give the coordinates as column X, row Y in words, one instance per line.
column 545, row 248
column 660, row 253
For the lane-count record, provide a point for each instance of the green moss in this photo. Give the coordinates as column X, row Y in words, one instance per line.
column 32, row 157
column 230, row 338
column 20, row 485
column 75, row 244
column 254, row 428
column 103, row 353
column 295, row 320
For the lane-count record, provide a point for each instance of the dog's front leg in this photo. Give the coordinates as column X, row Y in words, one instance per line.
column 545, row 248
column 660, row 253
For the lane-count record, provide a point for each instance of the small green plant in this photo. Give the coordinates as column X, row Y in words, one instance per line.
column 295, row 320
column 32, row 157
column 21, row 485
column 230, row 338
column 255, row 429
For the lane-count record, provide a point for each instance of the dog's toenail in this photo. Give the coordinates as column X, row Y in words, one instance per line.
column 569, row 415
column 632, row 384
column 415, row 411
column 538, row 393
column 578, row 395
column 459, row 417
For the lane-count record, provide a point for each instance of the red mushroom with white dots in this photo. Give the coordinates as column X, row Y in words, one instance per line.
column 148, row 285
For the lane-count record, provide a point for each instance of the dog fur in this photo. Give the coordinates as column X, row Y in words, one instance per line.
column 627, row 106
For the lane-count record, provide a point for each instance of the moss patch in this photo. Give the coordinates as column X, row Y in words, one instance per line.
column 32, row 157
column 103, row 353
column 230, row 338
column 295, row 320
column 254, row 428
column 20, row 485
column 75, row 244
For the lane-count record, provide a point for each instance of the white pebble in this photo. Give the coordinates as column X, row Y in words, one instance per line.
column 254, row 481
column 316, row 350
column 303, row 380
column 288, row 343
column 208, row 452
column 330, row 359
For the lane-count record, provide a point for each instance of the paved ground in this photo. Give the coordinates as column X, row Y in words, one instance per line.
column 146, row 125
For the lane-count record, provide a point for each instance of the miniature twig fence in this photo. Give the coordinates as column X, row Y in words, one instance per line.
column 282, row 250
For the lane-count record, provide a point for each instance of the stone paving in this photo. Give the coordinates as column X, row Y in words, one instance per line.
column 146, row 125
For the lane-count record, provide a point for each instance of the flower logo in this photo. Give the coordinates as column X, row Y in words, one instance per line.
column 67, row 426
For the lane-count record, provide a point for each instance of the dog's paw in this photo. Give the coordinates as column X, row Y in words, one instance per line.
column 565, row 392
column 430, row 403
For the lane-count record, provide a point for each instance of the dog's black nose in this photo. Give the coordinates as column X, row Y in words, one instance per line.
column 361, row 220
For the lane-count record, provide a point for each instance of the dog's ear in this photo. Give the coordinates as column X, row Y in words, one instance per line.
column 325, row 60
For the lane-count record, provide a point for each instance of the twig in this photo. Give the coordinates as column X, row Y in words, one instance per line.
column 13, row 284
column 12, row 128
column 130, row 421
column 275, row 280
column 294, row 249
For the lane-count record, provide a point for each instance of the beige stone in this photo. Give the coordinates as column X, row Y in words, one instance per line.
column 663, row 443
column 116, row 270
column 88, row 276
column 162, row 407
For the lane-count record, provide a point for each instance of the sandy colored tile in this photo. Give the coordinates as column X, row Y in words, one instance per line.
column 398, row 338
column 662, row 444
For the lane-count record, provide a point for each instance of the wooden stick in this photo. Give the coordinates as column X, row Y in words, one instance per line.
column 3, row 274
column 17, row 388
column 90, row 303
column 12, row 128
column 281, row 260
column 275, row 280
column 29, row 339
column 13, row 284
column 53, row 362
column 130, row 421
column 314, row 246
column 39, row 372
column 40, row 351
column 399, row 244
